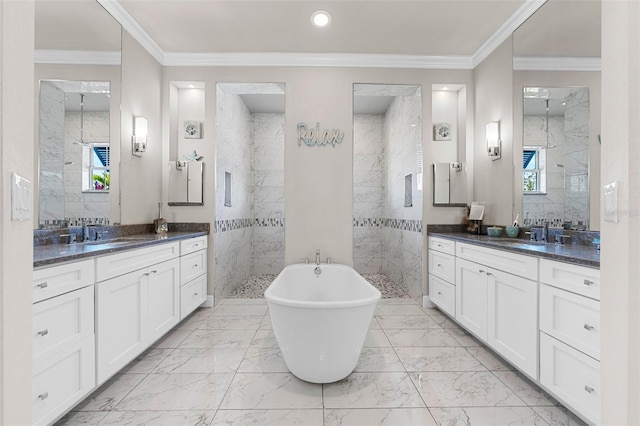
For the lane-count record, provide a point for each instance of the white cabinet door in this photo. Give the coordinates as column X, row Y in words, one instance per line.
column 471, row 297
column 513, row 319
column 163, row 301
column 121, row 315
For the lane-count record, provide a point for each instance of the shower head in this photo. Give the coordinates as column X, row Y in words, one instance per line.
column 561, row 166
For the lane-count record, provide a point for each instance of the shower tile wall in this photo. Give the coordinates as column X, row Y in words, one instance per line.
column 402, row 234
column 51, row 154
column 368, row 192
column 567, row 188
column 549, row 207
column 268, row 193
column 94, row 207
column 232, row 244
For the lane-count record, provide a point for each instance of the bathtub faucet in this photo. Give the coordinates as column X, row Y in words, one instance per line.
column 317, row 256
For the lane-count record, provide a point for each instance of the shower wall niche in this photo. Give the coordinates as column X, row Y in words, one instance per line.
column 249, row 211
column 387, row 139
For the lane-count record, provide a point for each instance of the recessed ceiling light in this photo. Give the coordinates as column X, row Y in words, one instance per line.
column 321, row 18
column 191, row 86
column 445, row 88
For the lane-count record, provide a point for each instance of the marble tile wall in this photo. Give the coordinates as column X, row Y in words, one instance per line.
column 567, row 197
column 402, row 234
column 368, row 191
column 90, row 205
column 267, row 149
column 51, row 201
column 233, row 247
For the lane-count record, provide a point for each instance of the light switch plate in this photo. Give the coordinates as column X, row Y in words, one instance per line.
column 611, row 202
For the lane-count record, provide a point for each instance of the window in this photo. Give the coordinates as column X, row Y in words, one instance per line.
column 96, row 176
column 533, row 170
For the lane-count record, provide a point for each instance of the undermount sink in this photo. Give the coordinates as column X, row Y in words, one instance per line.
column 523, row 242
column 115, row 241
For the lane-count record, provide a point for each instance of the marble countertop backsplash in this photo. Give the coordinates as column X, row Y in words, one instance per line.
column 580, row 249
column 52, row 248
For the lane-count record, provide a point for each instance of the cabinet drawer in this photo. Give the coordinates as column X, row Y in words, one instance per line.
column 62, row 381
column 131, row 260
column 517, row 264
column 442, row 265
column 443, row 245
column 192, row 266
column 571, row 376
column 571, row 318
column 56, row 280
column 61, row 321
column 193, row 244
column 575, row 278
column 192, row 295
column 442, row 294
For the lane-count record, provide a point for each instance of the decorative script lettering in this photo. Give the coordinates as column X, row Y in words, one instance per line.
column 311, row 137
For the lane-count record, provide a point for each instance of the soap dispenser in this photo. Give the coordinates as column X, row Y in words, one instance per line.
column 160, row 225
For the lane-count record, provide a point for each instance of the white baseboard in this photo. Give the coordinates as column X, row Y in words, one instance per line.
column 426, row 303
column 209, row 302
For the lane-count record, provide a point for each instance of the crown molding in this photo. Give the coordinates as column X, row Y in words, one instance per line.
column 133, row 28
column 357, row 60
column 506, row 30
column 76, row 57
column 542, row 63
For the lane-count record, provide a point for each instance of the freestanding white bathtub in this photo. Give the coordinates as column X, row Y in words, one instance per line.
column 321, row 320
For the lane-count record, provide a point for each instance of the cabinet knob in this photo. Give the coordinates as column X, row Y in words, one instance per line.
column 588, row 388
column 588, row 327
column 439, row 245
column 154, row 272
column 43, row 332
column 440, row 293
column 196, row 245
column 146, row 274
column 43, row 285
column 588, row 282
column 195, row 266
column 195, row 294
column 489, row 273
column 439, row 265
column 481, row 271
column 44, row 396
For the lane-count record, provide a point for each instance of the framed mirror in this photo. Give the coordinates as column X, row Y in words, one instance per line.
column 77, row 128
column 555, row 157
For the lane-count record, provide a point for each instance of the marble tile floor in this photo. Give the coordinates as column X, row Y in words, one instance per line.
column 222, row 366
column 254, row 286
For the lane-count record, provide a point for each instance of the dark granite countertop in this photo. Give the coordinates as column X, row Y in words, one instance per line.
column 570, row 253
column 51, row 254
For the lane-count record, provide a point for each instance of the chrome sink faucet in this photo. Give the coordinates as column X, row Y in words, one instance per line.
column 545, row 232
column 86, row 233
column 317, row 257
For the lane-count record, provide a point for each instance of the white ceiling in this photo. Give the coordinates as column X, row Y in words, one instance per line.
column 402, row 33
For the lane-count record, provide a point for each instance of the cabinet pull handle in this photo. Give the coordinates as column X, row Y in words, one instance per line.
column 195, row 266
column 440, row 293
column 481, row 271
column 439, row 245
column 588, row 388
column 43, row 285
column 195, row 294
column 154, row 272
column 196, row 245
column 489, row 273
column 43, row 332
column 588, row 282
column 588, row 327
column 43, row 395
column 146, row 274
column 439, row 265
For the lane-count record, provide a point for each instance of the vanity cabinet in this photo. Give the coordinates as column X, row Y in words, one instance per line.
column 63, row 338
column 570, row 335
column 497, row 300
column 137, row 307
column 193, row 274
column 442, row 274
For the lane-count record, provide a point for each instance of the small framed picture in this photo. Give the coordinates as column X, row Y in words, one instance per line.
column 192, row 129
column 442, row 131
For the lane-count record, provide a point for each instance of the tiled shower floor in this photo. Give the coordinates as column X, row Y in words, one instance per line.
column 254, row 286
column 222, row 366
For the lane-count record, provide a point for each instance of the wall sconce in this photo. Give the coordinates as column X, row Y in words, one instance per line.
column 139, row 138
column 494, row 144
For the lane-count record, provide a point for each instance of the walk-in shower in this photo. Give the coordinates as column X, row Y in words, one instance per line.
column 249, row 211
